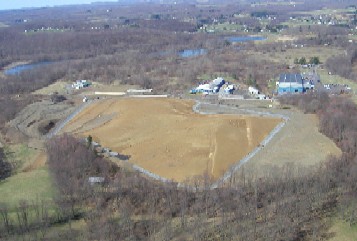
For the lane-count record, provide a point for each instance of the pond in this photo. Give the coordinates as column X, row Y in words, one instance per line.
column 186, row 53
column 243, row 39
column 18, row 69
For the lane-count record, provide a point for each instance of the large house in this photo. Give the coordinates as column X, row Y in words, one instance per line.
column 294, row 83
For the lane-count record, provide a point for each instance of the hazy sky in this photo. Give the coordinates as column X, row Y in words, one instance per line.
column 16, row 4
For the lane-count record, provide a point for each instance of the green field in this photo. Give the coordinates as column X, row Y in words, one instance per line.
column 342, row 231
column 326, row 11
column 30, row 186
column 225, row 27
column 288, row 56
column 20, row 155
column 322, row 52
column 30, row 180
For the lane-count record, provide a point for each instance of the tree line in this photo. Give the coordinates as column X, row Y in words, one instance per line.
column 343, row 64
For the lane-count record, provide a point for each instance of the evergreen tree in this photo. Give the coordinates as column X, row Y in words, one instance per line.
column 314, row 60
column 302, row 61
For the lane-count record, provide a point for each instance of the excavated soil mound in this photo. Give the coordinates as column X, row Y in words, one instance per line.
column 165, row 137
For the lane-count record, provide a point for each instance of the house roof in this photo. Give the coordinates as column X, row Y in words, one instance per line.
column 204, row 87
column 290, row 78
column 218, row 81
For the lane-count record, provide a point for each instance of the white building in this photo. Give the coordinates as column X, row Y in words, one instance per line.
column 212, row 87
column 253, row 90
column 228, row 89
column 79, row 84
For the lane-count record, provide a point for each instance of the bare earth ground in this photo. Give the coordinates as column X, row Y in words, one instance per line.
column 299, row 141
column 165, row 137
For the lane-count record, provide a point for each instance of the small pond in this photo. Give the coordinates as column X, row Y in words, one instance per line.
column 186, row 53
column 243, row 39
column 18, row 69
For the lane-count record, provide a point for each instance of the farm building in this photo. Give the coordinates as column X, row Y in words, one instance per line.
column 294, row 83
column 253, row 90
column 228, row 88
column 211, row 87
column 79, row 84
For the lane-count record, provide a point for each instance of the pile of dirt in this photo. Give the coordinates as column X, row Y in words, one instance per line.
column 165, row 137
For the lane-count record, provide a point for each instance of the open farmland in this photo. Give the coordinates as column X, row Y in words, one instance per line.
column 165, row 137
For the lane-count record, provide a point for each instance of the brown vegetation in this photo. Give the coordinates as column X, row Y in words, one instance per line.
column 343, row 64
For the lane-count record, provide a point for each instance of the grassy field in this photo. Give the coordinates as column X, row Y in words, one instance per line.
column 298, row 142
column 326, row 11
column 30, row 186
column 342, row 231
column 20, row 155
column 288, row 56
column 30, row 181
column 58, row 86
column 225, row 27
column 297, row 23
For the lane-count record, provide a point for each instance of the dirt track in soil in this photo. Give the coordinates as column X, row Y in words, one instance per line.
column 165, row 137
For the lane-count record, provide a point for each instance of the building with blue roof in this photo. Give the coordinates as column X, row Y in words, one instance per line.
column 293, row 83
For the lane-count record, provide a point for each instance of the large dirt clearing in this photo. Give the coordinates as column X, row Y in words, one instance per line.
column 165, row 137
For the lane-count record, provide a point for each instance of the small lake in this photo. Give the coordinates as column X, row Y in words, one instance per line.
column 243, row 39
column 186, row 53
column 18, row 69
